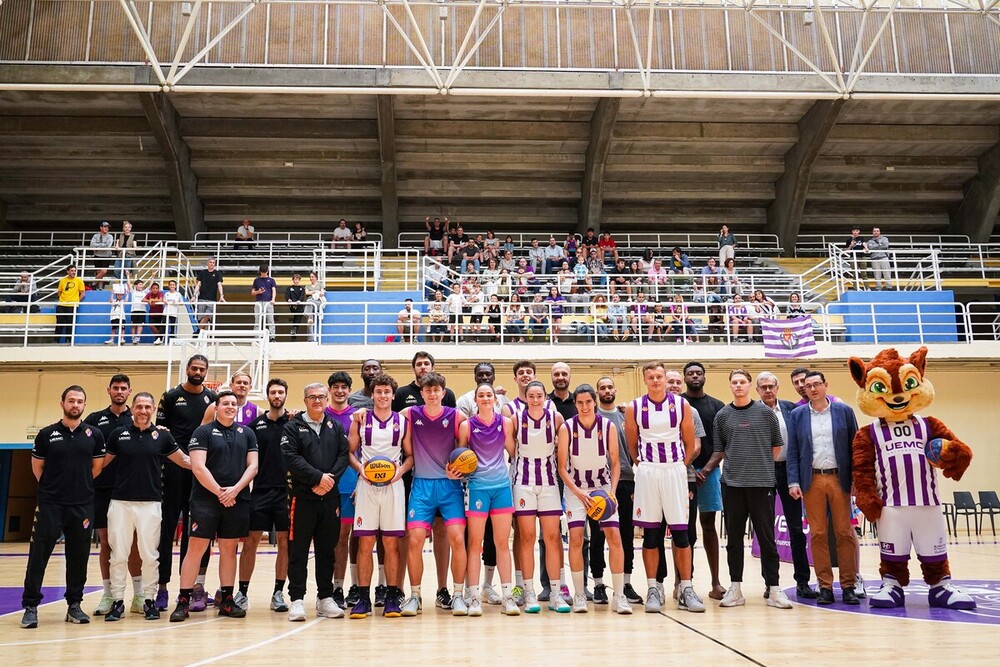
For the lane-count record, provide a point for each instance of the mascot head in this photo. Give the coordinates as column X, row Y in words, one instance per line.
column 892, row 387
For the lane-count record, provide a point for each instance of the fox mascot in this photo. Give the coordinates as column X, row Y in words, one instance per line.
column 896, row 459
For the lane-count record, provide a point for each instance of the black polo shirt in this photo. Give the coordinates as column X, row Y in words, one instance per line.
column 182, row 412
column 139, row 455
column 226, row 448
column 409, row 395
column 107, row 422
column 270, row 466
column 69, row 456
column 566, row 408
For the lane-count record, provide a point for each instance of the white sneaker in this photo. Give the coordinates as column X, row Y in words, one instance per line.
column 653, row 601
column 297, row 612
column 412, row 606
column 620, row 605
column 859, row 586
column 135, row 340
column 558, row 604
column 459, row 607
column 138, row 604
column 580, row 603
column 531, row 605
column 489, row 595
column 734, row 598
column 778, row 599
column 327, row 608
column 475, row 607
column 104, row 606
column 110, row 341
column 688, row 600
column 158, row 341
column 278, row 602
column 241, row 600
column 510, row 607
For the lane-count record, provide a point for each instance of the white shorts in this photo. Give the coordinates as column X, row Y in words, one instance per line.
column 922, row 528
column 380, row 509
column 537, row 501
column 576, row 515
column 661, row 492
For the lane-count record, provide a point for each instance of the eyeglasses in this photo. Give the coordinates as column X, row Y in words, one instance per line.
column 768, row 387
column 321, row 397
column 813, row 385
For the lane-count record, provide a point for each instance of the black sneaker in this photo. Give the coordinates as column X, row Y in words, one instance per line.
column 443, row 599
column 600, row 594
column 338, row 598
column 631, row 595
column 116, row 612
column 380, row 591
column 231, row 609
column 30, row 618
column 75, row 615
column 149, row 611
column 353, row 596
column 180, row 613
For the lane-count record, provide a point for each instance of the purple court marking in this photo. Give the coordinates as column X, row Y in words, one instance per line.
column 986, row 593
column 10, row 596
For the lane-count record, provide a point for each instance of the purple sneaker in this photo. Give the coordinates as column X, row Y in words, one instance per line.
column 564, row 592
column 946, row 596
column 162, row 599
column 889, row 596
column 392, row 608
column 198, row 599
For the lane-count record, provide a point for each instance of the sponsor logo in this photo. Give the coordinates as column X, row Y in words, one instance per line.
column 154, row 435
column 194, row 526
column 182, row 401
column 329, row 424
column 887, row 547
column 419, row 422
column 86, row 523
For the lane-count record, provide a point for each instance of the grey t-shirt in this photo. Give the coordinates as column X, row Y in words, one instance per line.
column 746, row 435
column 624, row 460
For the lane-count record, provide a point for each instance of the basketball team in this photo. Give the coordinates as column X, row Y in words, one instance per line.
column 230, row 471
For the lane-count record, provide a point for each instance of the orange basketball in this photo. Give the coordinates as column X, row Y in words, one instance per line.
column 463, row 461
column 380, row 470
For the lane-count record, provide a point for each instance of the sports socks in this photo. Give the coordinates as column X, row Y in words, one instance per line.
column 199, row 580
column 279, row 585
column 338, row 583
column 474, row 592
column 578, row 582
column 488, row 574
column 685, row 583
column 519, row 578
column 354, row 573
column 381, row 575
column 244, row 587
column 415, row 591
column 137, row 585
column 107, row 586
column 651, row 583
column 185, row 596
column 554, row 586
column 618, row 582
column 628, row 579
column 598, row 581
column 507, row 589
column 458, row 587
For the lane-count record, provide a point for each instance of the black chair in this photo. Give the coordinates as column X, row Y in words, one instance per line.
column 989, row 505
column 949, row 518
column 966, row 506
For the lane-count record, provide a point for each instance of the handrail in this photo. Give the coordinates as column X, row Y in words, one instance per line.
column 816, row 244
column 289, row 237
column 58, row 238
column 754, row 242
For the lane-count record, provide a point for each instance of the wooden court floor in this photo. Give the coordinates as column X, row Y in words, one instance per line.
column 752, row 635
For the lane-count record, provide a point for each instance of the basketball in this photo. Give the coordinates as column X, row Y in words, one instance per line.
column 604, row 505
column 933, row 450
column 380, row 470
column 463, row 461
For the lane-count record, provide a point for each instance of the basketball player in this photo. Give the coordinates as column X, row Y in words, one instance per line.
column 660, row 433
column 432, row 431
column 107, row 421
column 588, row 461
column 339, row 384
column 137, row 451
column 269, row 495
column 65, row 459
column 224, row 462
column 536, row 493
column 380, row 510
column 181, row 410
column 363, row 398
column 489, row 435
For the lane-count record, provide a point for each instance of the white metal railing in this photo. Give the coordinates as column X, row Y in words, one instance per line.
column 70, row 239
column 755, row 243
column 914, row 269
column 213, row 239
column 818, row 244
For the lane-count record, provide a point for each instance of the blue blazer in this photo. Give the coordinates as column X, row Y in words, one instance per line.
column 800, row 445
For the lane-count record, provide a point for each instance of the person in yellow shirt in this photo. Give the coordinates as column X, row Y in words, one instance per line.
column 71, row 292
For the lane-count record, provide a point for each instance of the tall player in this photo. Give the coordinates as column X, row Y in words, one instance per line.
column 660, row 433
column 268, row 498
column 339, row 384
column 181, row 410
column 380, row 510
column 588, row 461
column 107, row 421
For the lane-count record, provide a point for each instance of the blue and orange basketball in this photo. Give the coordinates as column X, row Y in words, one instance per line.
column 380, row 470
column 463, row 461
column 603, row 505
column 933, row 450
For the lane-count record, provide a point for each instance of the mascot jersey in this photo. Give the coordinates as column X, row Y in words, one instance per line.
column 903, row 476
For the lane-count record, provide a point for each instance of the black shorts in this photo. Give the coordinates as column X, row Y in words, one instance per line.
column 101, row 262
column 102, row 501
column 137, row 317
column 210, row 520
column 269, row 509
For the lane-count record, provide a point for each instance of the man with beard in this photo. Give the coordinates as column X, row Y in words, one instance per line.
column 268, row 501
column 362, row 398
column 65, row 459
column 181, row 410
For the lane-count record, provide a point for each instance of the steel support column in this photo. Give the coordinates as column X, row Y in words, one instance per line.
column 976, row 216
column 4, row 225
column 387, row 159
column 602, row 126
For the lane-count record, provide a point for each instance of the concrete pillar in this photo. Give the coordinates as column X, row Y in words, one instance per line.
column 976, row 216
column 602, row 126
column 387, row 158
column 784, row 215
column 4, row 225
column 164, row 121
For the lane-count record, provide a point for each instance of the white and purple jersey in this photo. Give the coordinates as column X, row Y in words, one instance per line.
column 588, row 452
column 536, row 446
column 247, row 413
column 382, row 438
column 349, row 480
column 659, row 425
column 903, row 476
column 487, row 441
column 518, row 406
column 433, row 441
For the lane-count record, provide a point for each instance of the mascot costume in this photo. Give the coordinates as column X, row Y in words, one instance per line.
column 896, row 460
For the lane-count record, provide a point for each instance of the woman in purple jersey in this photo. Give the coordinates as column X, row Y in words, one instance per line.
column 490, row 436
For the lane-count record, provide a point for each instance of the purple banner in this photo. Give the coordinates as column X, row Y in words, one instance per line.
column 782, row 537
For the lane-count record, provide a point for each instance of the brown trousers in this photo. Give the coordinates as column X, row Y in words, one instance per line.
column 825, row 492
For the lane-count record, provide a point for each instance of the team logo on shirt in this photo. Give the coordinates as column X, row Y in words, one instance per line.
column 358, row 522
column 102, row 420
column 445, row 423
column 569, row 514
column 672, row 409
column 413, row 513
column 789, row 339
column 479, row 504
column 154, row 435
column 239, row 429
column 638, row 512
column 88, row 432
column 86, row 523
column 194, row 526
column 207, row 401
column 419, row 422
column 182, row 401
column 329, row 424
column 521, row 502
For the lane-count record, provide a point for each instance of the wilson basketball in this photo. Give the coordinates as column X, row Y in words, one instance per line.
column 463, row 461
column 380, row 470
column 933, row 450
column 604, row 505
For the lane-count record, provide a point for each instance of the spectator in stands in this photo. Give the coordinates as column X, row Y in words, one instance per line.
column 794, row 306
column 436, row 241
column 711, row 268
column 762, row 305
column 508, row 262
column 536, row 257
column 727, row 245
column 855, row 243
column 208, row 291
column 435, row 279
column 599, row 319
column 508, row 246
column 739, row 316
column 657, row 277
column 139, row 310
column 729, row 281
column 173, row 310
column 590, row 239
column 156, row 305
column 637, row 278
column 456, row 243
column 680, row 324
column 246, row 236
column 438, row 318
column 360, row 233
column 640, row 318
column 608, row 249
column 102, row 244
column 646, row 261
column 504, row 284
column 408, row 322
column 315, row 302
column 126, row 246
column 877, row 248
column 490, row 278
column 264, row 291
column 659, row 323
column 569, row 248
column 455, row 308
column 679, row 263
column 706, row 290
column 119, row 294
column 582, row 275
column 295, row 297
column 538, row 317
column 494, row 318
column 555, row 302
column 71, row 291
column 620, row 280
column 475, row 307
column 555, row 255
column 25, row 291
column 342, row 236
column 491, row 246
column 514, row 318
column 565, row 279
column 716, row 323
column 595, row 267
column 471, row 257
column 617, row 315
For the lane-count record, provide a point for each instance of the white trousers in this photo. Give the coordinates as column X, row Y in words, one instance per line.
column 143, row 519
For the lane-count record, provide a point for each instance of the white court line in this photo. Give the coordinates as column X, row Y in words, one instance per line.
column 172, row 626
column 252, row 647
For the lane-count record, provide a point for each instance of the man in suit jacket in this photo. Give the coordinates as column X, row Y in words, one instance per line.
column 767, row 389
column 819, row 470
